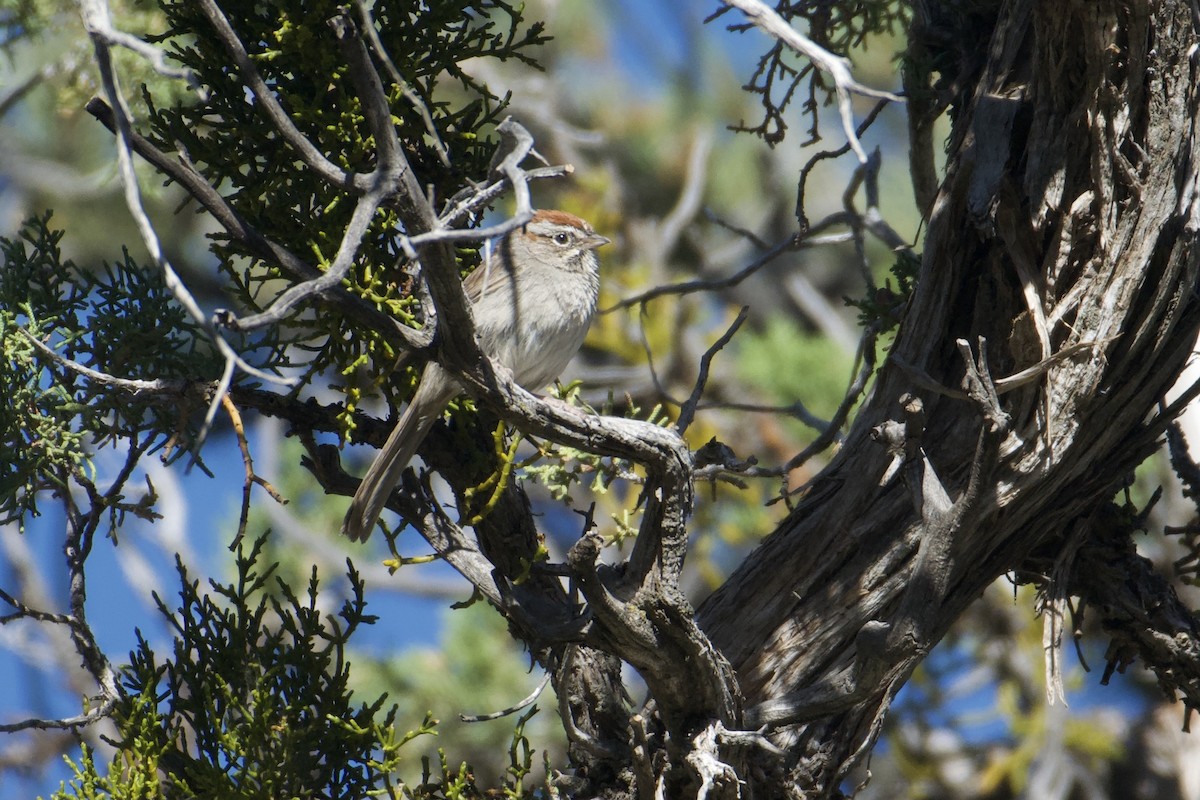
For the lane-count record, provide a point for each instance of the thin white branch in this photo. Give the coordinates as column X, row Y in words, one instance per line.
column 820, row 312
column 836, row 66
column 96, row 714
column 269, row 103
column 154, row 55
column 98, row 22
column 131, row 385
column 690, row 196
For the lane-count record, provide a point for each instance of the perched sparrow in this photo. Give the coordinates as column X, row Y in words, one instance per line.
column 533, row 300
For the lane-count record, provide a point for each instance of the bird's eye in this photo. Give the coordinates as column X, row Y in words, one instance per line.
column 561, row 238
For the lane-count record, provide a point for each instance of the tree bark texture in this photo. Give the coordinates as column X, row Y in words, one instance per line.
column 1062, row 242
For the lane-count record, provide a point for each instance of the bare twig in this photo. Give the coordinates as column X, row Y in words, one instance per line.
column 796, row 410
column 670, row 228
column 1000, row 385
column 838, row 68
column 471, row 200
column 745, row 233
column 808, row 167
column 688, row 412
column 252, row 478
column 57, row 649
column 368, row 26
column 872, row 219
column 154, row 55
column 866, row 360
column 823, row 314
column 800, row 241
column 515, row 144
column 504, row 712
column 689, row 287
column 98, row 24
column 978, row 383
column 24, row 611
column 1053, row 602
column 313, row 158
column 89, row 717
column 82, row 525
column 13, row 94
column 131, row 385
column 1029, row 374
column 352, row 237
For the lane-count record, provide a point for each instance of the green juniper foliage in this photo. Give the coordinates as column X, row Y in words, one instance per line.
column 255, row 702
column 883, row 308
column 119, row 320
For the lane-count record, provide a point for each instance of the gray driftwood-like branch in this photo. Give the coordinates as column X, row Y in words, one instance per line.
column 1094, row 177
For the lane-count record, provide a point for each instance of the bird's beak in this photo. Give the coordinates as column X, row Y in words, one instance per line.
column 595, row 240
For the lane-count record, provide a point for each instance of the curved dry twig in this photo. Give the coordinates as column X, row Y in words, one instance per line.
column 99, row 26
column 837, row 67
column 688, row 411
column 312, row 157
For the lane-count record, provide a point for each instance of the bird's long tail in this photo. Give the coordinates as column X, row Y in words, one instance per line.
column 434, row 393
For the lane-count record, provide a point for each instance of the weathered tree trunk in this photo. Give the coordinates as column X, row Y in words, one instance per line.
column 1063, row 234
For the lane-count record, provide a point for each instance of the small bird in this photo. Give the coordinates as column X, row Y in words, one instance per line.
column 533, row 299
